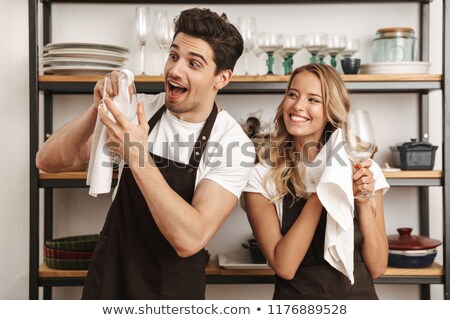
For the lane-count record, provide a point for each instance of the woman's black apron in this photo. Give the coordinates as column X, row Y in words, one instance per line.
column 315, row 278
column 132, row 259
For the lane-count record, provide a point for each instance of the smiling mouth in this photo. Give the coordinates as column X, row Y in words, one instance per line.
column 176, row 88
column 299, row 119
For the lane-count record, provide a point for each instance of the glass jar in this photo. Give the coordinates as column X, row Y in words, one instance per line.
column 394, row 44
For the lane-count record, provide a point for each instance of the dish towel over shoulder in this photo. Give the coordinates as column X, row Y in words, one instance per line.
column 330, row 175
column 101, row 162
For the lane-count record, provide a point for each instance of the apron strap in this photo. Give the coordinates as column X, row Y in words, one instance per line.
column 203, row 139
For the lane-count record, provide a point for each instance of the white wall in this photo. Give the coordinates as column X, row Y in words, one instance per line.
column 77, row 213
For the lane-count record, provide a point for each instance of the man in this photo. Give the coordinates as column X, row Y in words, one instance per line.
column 170, row 205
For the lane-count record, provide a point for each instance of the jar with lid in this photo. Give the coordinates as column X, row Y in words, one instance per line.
column 393, row 45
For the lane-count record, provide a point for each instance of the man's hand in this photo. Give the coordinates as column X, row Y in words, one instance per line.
column 126, row 139
column 112, row 87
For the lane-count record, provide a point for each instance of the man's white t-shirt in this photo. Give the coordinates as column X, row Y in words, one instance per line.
column 228, row 157
column 257, row 184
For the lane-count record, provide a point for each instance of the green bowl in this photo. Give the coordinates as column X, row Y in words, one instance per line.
column 67, row 264
column 77, row 243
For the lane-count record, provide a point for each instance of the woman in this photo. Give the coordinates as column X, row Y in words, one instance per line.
column 289, row 223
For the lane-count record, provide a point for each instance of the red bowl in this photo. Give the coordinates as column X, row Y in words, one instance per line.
column 61, row 254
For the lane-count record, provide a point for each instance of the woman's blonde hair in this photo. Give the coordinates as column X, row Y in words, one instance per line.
column 278, row 149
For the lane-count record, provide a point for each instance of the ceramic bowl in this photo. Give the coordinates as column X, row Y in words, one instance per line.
column 350, row 66
column 411, row 260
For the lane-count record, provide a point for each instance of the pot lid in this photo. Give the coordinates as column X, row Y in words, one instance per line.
column 405, row 241
column 416, row 145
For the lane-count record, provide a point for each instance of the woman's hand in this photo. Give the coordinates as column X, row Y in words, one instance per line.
column 363, row 180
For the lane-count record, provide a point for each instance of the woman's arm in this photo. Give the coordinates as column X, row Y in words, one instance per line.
column 284, row 254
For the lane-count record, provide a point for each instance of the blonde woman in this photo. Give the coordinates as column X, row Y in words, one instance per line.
column 289, row 223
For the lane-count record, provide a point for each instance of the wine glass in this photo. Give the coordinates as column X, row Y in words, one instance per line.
column 247, row 28
column 359, row 139
column 291, row 45
column 164, row 32
column 142, row 31
column 314, row 42
column 336, row 43
column 351, row 47
column 321, row 55
column 270, row 42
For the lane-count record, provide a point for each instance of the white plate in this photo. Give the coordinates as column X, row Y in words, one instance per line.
column 89, row 54
column 403, row 67
column 79, row 70
column 79, row 61
column 76, row 45
column 239, row 261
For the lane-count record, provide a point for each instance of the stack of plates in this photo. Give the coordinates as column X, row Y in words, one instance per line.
column 82, row 58
column 70, row 253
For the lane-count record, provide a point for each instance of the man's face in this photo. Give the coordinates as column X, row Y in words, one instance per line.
column 190, row 82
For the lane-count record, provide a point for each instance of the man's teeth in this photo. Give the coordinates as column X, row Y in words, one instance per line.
column 176, row 85
column 299, row 119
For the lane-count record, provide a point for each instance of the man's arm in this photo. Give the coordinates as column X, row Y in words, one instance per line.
column 68, row 149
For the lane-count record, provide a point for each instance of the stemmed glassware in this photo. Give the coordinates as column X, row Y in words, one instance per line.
column 352, row 46
column 164, row 31
column 314, row 42
column 270, row 42
column 142, row 31
column 321, row 55
column 247, row 28
column 359, row 139
column 291, row 45
column 336, row 43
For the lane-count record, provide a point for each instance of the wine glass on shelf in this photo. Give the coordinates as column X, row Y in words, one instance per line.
column 359, row 140
column 352, row 46
column 247, row 28
column 321, row 55
column 270, row 42
column 164, row 31
column 314, row 42
column 291, row 45
column 336, row 43
column 142, row 17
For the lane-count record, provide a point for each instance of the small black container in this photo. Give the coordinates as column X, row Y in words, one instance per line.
column 414, row 155
column 255, row 252
column 350, row 66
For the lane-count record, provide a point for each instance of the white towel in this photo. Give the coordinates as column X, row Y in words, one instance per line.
column 330, row 175
column 100, row 169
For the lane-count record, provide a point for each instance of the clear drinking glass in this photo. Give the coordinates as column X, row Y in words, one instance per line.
column 292, row 43
column 164, row 31
column 336, row 43
column 359, row 139
column 315, row 42
column 351, row 47
column 270, row 42
column 247, row 28
column 143, row 31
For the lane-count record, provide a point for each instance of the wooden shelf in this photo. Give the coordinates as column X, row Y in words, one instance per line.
column 266, row 84
column 217, row 275
column 400, row 178
column 263, row 78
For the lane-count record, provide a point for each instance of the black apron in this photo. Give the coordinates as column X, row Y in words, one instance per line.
column 315, row 278
column 132, row 259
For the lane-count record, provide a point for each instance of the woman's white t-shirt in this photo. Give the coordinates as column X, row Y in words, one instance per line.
column 257, row 183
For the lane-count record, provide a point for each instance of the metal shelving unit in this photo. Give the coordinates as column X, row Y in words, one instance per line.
column 420, row 84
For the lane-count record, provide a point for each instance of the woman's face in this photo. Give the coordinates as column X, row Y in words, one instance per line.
column 303, row 110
